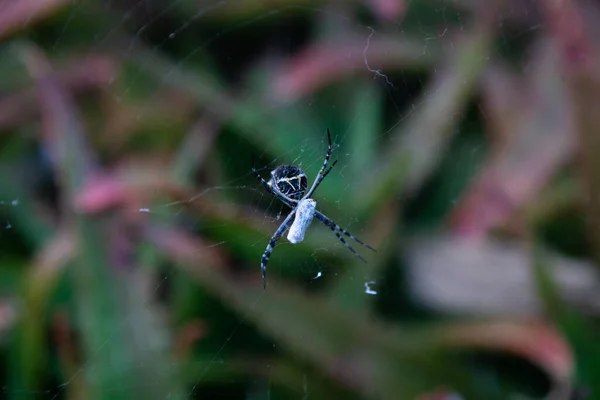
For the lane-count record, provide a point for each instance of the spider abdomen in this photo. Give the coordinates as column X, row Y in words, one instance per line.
column 304, row 216
column 289, row 180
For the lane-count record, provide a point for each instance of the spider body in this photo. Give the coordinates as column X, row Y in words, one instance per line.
column 288, row 184
column 289, row 180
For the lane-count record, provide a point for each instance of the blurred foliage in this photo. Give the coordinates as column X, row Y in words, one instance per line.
column 132, row 227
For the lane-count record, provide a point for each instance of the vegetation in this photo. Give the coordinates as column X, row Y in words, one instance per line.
column 465, row 134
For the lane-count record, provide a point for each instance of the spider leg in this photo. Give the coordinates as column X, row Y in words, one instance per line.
column 286, row 199
column 336, row 230
column 285, row 225
column 282, row 197
column 328, row 222
column 329, row 169
column 322, row 172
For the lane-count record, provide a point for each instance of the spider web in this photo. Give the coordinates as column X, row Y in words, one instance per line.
column 308, row 152
column 146, row 27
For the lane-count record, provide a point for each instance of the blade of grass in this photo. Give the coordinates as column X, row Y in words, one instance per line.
column 580, row 63
column 78, row 76
column 349, row 290
column 380, row 363
column 29, row 355
column 193, row 150
column 28, row 218
column 414, row 149
column 31, row 358
column 255, row 121
column 15, row 16
column 365, row 122
column 580, row 334
column 116, row 334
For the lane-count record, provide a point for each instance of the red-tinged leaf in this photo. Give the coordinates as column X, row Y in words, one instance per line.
column 537, row 342
column 20, row 14
column 388, row 9
column 78, row 76
column 574, row 35
column 325, row 63
column 536, row 138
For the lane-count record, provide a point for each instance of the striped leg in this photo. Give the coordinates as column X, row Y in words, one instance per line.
column 321, row 217
column 322, row 172
column 337, row 229
column 334, row 228
column 327, row 172
column 285, row 225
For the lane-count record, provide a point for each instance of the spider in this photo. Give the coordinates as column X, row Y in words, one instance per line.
column 288, row 183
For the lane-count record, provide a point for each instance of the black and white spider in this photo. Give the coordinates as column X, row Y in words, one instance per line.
column 288, row 183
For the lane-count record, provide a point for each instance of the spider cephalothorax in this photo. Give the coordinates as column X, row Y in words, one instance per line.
column 288, row 183
column 289, row 180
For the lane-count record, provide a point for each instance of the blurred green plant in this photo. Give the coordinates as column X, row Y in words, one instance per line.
column 134, row 228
